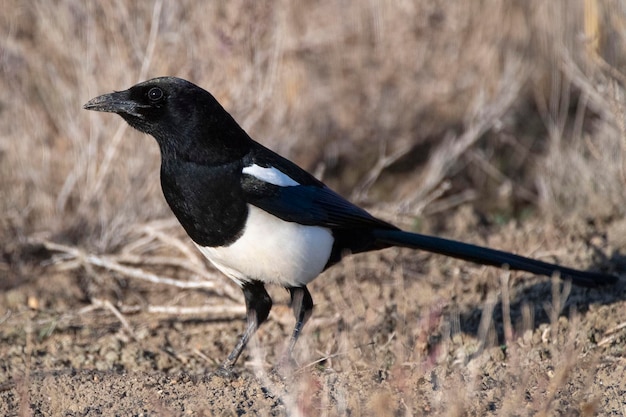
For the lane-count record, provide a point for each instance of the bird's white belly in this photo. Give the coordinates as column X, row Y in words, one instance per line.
column 272, row 250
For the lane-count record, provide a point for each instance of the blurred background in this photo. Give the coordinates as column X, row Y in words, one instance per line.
column 412, row 109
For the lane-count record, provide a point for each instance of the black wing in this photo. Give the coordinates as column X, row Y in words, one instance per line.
column 311, row 205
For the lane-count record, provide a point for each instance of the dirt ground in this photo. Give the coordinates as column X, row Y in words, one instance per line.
column 393, row 333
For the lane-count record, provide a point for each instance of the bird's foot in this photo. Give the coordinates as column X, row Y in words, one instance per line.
column 226, row 370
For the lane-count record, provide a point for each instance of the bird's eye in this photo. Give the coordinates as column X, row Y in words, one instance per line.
column 155, row 94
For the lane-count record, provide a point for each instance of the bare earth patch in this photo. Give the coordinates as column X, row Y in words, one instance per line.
column 394, row 333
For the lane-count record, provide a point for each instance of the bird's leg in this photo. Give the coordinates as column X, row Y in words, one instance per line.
column 302, row 306
column 258, row 306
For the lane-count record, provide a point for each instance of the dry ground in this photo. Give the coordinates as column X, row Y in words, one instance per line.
column 496, row 122
column 394, row 333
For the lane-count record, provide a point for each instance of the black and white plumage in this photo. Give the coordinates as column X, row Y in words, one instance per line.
column 257, row 216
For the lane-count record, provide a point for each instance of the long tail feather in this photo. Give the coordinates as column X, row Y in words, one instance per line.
column 487, row 256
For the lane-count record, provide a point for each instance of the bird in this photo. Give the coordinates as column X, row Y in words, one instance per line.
column 261, row 219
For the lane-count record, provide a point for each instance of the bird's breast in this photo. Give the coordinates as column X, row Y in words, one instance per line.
column 272, row 250
column 207, row 201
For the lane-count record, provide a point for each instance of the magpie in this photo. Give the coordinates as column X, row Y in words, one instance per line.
column 261, row 219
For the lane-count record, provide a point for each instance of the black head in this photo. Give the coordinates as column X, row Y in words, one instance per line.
column 185, row 119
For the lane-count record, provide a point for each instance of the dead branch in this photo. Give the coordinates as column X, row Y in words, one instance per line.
column 215, row 312
column 154, row 231
column 384, row 161
column 74, row 257
column 106, row 304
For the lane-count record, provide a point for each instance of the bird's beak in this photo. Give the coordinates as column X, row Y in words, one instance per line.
column 117, row 102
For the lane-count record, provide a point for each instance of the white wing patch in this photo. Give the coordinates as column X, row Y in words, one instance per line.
column 270, row 175
column 272, row 250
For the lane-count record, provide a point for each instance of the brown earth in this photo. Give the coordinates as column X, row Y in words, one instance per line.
column 393, row 333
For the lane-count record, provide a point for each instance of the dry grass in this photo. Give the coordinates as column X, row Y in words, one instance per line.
column 502, row 106
column 499, row 99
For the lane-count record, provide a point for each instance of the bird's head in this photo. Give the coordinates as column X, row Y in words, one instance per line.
column 184, row 118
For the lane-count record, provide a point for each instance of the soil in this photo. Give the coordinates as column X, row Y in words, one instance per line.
column 395, row 332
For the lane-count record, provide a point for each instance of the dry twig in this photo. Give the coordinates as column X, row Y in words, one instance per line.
column 215, row 312
column 447, row 154
column 106, row 304
column 611, row 334
column 384, row 161
column 113, row 148
column 73, row 257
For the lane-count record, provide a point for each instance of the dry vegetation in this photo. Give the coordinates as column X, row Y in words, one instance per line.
column 502, row 122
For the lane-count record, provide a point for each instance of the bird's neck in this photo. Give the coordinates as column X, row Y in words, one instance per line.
column 209, row 147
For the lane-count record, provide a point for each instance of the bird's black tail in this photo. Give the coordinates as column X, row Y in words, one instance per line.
column 487, row 256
